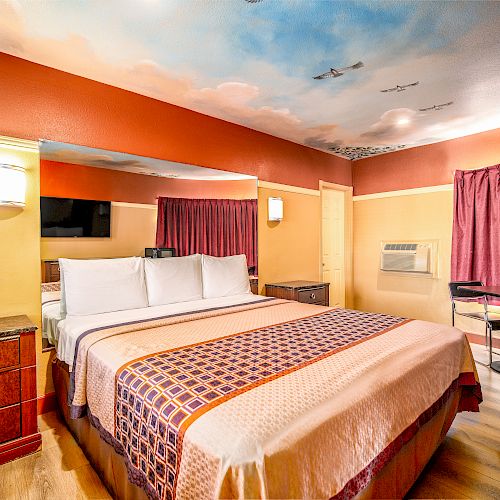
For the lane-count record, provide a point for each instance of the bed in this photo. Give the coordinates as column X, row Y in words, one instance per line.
column 252, row 397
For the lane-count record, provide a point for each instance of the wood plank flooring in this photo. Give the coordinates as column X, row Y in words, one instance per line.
column 466, row 465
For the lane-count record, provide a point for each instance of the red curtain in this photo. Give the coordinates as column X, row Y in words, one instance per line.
column 212, row 227
column 475, row 251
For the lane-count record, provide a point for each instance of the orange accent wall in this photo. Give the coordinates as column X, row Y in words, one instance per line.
column 43, row 103
column 423, row 166
column 66, row 180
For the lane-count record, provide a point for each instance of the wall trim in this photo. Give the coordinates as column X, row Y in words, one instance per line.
column 22, row 144
column 133, row 205
column 288, row 188
column 404, row 192
column 334, row 186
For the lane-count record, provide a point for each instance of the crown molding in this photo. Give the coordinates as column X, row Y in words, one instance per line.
column 23, row 144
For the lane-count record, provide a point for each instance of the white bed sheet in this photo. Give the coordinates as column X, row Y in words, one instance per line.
column 51, row 315
column 70, row 328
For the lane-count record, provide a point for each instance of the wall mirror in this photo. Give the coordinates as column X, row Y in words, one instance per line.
column 105, row 204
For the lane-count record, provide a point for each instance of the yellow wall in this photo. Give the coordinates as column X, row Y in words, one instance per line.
column 133, row 228
column 20, row 247
column 290, row 249
column 420, row 216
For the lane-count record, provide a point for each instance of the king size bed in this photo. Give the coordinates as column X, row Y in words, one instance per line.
column 234, row 395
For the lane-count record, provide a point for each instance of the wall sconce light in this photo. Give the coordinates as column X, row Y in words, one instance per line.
column 12, row 185
column 275, row 209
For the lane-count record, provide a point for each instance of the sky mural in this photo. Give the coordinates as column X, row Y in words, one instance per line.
column 254, row 62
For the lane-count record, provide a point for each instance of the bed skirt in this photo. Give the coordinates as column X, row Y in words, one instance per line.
column 393, row 481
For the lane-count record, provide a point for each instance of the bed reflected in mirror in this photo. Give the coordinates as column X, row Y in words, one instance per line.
column 103, row 204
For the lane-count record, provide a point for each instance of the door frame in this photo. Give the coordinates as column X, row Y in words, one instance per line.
column 348, row 237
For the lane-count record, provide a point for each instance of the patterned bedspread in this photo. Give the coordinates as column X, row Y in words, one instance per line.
column 242, row 401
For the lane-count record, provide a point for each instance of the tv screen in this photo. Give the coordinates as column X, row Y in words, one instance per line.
column 68, row 217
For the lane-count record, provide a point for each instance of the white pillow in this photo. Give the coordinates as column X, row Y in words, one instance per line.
column 62, row 304
column 103, row 285
column 225, row 276
column 173, row 279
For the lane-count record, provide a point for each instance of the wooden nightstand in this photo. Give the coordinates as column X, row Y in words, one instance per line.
column 19, row 434
column 311, row 292
column 254, row 285
column 50, row 271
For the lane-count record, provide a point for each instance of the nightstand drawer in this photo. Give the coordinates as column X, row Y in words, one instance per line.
column 312, row 295
column 10, row 423
column 9, row 353
column 309, row 292
column 10, row 388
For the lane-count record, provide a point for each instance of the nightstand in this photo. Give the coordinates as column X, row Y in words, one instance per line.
column 310, row 292
column 254, row 285
column 50, row 271
column 19, row 434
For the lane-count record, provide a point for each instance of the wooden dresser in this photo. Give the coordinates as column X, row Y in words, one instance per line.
column 18, row 404
column 311, row 292
column 50, row 271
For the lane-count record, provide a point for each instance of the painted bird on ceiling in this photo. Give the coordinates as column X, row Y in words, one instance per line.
column 335, row 73
column 437, row 107
column 400, row 88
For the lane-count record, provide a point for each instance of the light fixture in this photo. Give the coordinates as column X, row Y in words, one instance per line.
column 12, row 185
column 275, row 209
column 403, row 121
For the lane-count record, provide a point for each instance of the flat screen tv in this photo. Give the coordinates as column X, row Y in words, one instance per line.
column 69, row 217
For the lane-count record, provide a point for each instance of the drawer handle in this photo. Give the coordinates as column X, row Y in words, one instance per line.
column 312, row 296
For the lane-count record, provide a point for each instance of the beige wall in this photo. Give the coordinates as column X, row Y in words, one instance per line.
column 133, row 228
column 290, row 249
column 411, row 217
column 20, row 248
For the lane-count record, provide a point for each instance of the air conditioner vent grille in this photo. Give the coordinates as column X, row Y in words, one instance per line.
column 400, row 246
column 414, row 258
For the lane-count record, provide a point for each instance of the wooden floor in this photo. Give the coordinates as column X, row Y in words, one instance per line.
column 467, row 464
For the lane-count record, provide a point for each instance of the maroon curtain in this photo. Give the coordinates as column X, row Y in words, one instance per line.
column 475, row 253
column 212, row 227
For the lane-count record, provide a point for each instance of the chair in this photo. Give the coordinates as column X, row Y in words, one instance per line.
column 491, row 320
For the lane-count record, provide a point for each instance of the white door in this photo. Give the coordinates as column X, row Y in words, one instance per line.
column 333, row 244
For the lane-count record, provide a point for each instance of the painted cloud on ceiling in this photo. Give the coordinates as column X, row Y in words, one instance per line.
column 253, row 63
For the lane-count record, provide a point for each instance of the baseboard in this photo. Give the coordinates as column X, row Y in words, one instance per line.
column 20, row 447
column 46, row 403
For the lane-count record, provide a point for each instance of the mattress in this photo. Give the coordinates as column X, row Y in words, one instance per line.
column 261, row 398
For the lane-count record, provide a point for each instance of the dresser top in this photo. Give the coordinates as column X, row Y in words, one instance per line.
column 13, row 325
column 298, row 284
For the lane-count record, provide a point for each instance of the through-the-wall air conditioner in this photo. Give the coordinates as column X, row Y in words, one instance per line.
column 402, row 257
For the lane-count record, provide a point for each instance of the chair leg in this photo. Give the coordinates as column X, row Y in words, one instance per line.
column 486, row 339
column 491, row 344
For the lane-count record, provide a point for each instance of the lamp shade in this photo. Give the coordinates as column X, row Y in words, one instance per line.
column 275, row 209
column 12, row 185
